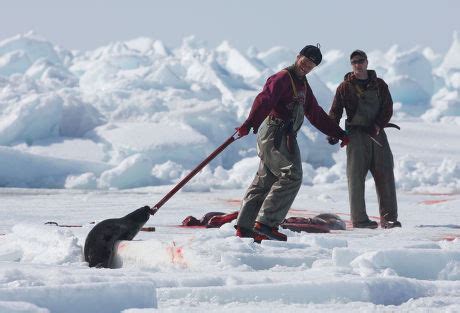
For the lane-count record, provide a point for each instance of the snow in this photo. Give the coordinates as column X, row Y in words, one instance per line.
column 178, row 104
column 141, row 98
column 175, row 269
column 450, row 63
column 23, row 169
column 91, row 135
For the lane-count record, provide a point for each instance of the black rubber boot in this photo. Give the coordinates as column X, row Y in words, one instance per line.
column 366, row 224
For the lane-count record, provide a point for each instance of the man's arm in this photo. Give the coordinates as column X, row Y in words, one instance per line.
column 386, row 101
column 266, row 100
column 336, row 110
column 318, row 118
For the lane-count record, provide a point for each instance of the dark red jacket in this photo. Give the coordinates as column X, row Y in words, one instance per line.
column 276, row 99
column 346, row 98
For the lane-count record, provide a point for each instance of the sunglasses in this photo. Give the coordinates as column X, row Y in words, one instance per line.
column 358, row 61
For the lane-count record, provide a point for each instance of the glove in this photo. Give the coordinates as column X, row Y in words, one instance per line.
column 243, row 130
column 345, row 141
column 332, row 140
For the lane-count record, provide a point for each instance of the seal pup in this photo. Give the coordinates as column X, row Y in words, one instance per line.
column 193, row 221
column 333, row 221
column 100, row 242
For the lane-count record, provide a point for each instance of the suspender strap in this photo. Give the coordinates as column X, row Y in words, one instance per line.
column 359, row 90
column 294, row 89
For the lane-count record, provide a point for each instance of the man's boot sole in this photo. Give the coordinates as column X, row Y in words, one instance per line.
column 268, row 236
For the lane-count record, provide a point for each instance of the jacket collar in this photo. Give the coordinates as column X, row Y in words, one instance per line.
column 291, row 70
column 351, row 77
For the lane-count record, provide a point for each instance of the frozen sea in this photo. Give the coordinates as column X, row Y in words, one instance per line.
column 413, row 269
column 91, row 135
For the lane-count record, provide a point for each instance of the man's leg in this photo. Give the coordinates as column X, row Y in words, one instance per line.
column 255, row 196
column 279, row 200
column 382, row 170
column 358, row 159
column 287, row 167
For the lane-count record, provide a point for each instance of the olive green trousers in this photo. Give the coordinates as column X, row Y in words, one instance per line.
column 276, row 183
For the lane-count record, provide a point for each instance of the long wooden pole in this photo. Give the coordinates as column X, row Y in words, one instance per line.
column 185, row 180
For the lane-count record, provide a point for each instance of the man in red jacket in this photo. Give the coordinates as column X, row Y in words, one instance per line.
column 279, row 111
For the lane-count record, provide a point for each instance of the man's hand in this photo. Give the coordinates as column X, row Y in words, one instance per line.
column 332, row 140
column 374, row 130
column 243, row 130
column 345, row 141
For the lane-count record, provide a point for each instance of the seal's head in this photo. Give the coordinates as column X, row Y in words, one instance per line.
column 139, row 216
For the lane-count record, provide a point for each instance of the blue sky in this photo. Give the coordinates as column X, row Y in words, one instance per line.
column 336, row 24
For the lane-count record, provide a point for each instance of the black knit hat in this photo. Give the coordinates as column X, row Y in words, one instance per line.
column 360, row 53
column 313, row 53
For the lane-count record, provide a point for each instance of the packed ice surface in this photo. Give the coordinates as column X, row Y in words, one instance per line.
column 174, row 269
column 92, row 135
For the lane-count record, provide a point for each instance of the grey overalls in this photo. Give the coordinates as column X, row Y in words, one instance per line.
column 279, row 176
column 363, row 154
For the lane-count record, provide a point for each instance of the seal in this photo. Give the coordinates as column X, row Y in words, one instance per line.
column 193, row 221
column 100, row 242
column 333, row 221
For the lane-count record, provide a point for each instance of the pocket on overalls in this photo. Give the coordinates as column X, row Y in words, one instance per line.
column 278, row 137
column 264, row 136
